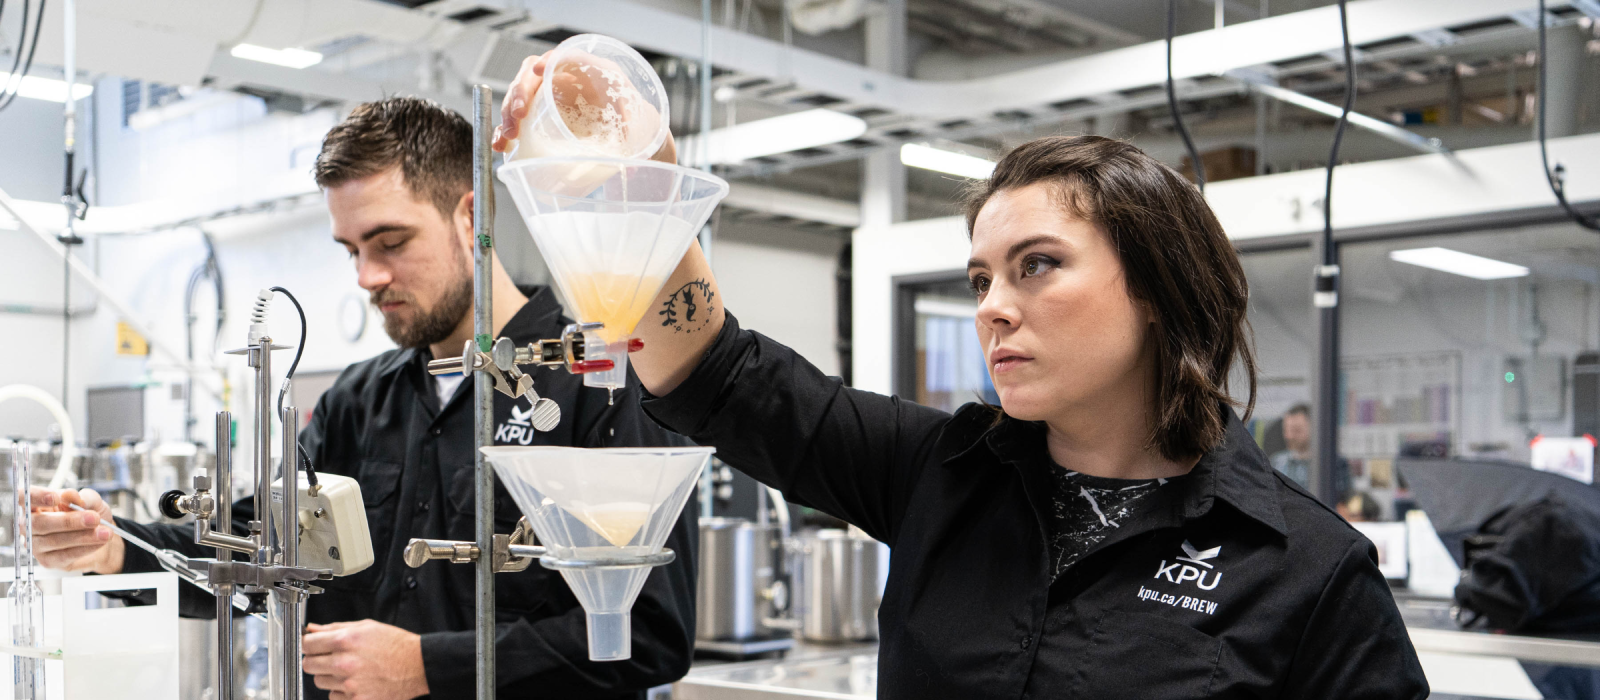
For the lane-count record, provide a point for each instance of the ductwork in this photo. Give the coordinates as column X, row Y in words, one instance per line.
column 176, row 39
column 1102, row 76
column 822, row 16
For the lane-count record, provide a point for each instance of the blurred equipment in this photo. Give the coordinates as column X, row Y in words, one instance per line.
column 1586, row 394
column 836, row 588
column 1535, row 389
column 68, row 449
column 743, row 587
column 26, row 598
column 115, row 413
column 1536, row 569
column 1460, row 495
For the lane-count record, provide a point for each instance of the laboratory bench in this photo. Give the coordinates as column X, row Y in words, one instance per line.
column 1461, row 665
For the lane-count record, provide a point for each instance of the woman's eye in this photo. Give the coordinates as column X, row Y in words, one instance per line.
column 979, row 284
column 1034, row 266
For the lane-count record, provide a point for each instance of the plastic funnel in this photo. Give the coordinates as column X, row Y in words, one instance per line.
column 592, row 505
column 599, row 98
column 611, row 230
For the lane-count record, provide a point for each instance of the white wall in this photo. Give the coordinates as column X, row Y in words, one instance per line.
column 781, row 283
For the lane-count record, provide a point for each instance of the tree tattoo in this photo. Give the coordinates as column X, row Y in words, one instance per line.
column 688, row 309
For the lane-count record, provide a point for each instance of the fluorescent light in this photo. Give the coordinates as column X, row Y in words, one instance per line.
column 765, row 137
column 930, row 158
column 1458, row 263
column 292, row 58
column 48, row 89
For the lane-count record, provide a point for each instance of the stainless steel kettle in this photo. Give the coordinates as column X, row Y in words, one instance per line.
column 836, row 591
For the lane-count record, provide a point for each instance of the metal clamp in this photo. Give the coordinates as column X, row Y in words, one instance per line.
column 512, row 553
column 501, row 370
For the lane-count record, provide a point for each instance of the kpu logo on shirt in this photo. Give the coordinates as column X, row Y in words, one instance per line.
column 519, row 429
column 1197, row 559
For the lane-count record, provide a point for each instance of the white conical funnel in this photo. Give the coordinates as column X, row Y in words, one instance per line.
column 611, row 231
column 591, row 505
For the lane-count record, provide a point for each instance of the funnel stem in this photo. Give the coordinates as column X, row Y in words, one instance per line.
column 610, row 636
column 482, row 391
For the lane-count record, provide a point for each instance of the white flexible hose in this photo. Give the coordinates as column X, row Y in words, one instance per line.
column 68, row 438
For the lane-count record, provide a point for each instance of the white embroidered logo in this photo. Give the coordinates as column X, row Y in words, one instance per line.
column 1178, row 571
column 517, row 429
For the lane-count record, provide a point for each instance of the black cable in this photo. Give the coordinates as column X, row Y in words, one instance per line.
column 305, row 459
column 16, row 58
column 299, row 349
column 1555, row 177
column 38, row 24
column 1172, row 100
column 311, row 472
column 1329, row 256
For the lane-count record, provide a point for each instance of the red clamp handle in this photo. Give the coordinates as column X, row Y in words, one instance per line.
column 587, row 366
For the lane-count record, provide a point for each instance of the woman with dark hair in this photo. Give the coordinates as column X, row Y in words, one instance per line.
column 1110, row 529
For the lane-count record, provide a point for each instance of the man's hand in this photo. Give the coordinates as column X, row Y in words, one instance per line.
column 520, row 98
column 74, row 540
column 365, row 660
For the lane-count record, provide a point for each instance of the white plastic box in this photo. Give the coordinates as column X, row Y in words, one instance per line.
column 98, row 652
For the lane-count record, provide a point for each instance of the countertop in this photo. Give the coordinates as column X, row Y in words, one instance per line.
column 1459, row 664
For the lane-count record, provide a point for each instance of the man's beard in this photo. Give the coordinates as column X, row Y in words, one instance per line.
column 430, row 326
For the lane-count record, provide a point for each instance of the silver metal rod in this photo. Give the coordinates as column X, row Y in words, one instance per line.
column 222, row 488
column 289, row 608
column 222, row 480
column 224, row 594
column 262, row 354
column 290, row 537
column 482, row 390
column 1362, row 121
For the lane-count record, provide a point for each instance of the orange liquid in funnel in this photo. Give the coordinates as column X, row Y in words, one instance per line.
column 618, row 301
column 617, row 522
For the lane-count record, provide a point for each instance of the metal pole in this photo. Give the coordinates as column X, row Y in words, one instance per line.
column 290, row 540
column 262, row 354
column 223, row 488
column 482, row 391
column 68, row 238
column 291, row 611
column 704, row 156
column 1325, row 369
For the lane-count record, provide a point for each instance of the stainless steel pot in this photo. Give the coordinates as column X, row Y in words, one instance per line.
column 835, row 585
column 737, row 588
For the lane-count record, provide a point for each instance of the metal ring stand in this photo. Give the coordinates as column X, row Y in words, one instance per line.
column 665, row 556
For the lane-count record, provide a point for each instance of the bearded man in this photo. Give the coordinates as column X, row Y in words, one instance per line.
column 398, row 179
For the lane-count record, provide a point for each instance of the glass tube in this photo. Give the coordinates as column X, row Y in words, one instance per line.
column 27, row 600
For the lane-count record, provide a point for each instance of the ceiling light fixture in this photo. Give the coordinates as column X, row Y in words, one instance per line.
column 291, row 58
column 918, row 155
column 773, row 135
column 1456, row 262
column 49, row 89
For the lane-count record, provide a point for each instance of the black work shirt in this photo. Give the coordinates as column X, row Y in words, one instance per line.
column 1230, row 582
column 382, row 423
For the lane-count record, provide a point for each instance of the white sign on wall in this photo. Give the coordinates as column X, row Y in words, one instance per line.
column 1570, row 457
